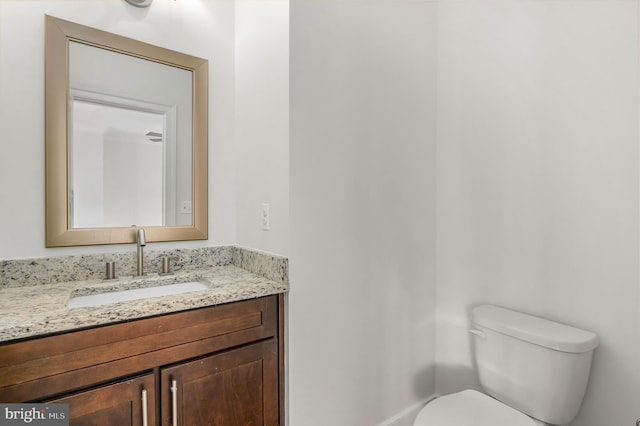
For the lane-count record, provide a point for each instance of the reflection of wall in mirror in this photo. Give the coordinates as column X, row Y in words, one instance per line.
column 104, row 72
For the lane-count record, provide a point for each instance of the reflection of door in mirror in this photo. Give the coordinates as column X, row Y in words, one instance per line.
column 130, row 142
column 120, row 176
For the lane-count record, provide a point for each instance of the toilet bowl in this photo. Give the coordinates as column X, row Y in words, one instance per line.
column 471, row 408
column 533, row 372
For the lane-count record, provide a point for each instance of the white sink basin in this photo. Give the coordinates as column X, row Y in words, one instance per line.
column 134, row 294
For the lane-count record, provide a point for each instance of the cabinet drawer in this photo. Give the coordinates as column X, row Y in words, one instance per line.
column 48, row 366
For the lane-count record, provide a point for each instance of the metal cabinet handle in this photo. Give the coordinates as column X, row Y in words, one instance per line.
column 174, row 402
column 145, row 417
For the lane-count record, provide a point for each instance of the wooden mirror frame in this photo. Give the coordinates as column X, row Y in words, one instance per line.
column 58, row 34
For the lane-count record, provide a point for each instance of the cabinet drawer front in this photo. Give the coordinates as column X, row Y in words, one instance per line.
column 41, row 367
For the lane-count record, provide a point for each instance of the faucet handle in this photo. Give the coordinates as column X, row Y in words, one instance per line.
column 110, row 270
column 166, row 264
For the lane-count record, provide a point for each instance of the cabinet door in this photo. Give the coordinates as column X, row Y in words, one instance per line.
column 117, row 404
column 234, row 388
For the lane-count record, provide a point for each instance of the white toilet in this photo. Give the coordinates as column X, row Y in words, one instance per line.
column 534, row 371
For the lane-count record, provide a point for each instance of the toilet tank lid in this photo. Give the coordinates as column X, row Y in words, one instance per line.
column 535, row 330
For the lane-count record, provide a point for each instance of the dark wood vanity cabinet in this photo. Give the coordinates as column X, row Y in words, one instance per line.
column 219, row 366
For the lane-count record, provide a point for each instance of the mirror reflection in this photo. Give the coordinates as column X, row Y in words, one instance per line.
column 116, row 172
column 129, row 140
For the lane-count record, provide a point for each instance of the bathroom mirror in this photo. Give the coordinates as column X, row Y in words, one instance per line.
column 126, row 139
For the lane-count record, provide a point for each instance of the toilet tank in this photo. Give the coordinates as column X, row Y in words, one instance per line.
column 534, row 365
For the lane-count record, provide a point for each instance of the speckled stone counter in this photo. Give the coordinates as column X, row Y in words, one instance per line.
column 29, row 307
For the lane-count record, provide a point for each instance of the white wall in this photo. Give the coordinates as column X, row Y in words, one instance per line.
column 202, row 28
column 537, row 193
column 262, row 122
column 361, row 304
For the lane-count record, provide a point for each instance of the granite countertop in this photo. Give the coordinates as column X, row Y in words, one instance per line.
column 42, row 309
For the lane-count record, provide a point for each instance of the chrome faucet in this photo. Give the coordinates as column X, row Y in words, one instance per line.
column 140, row 239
